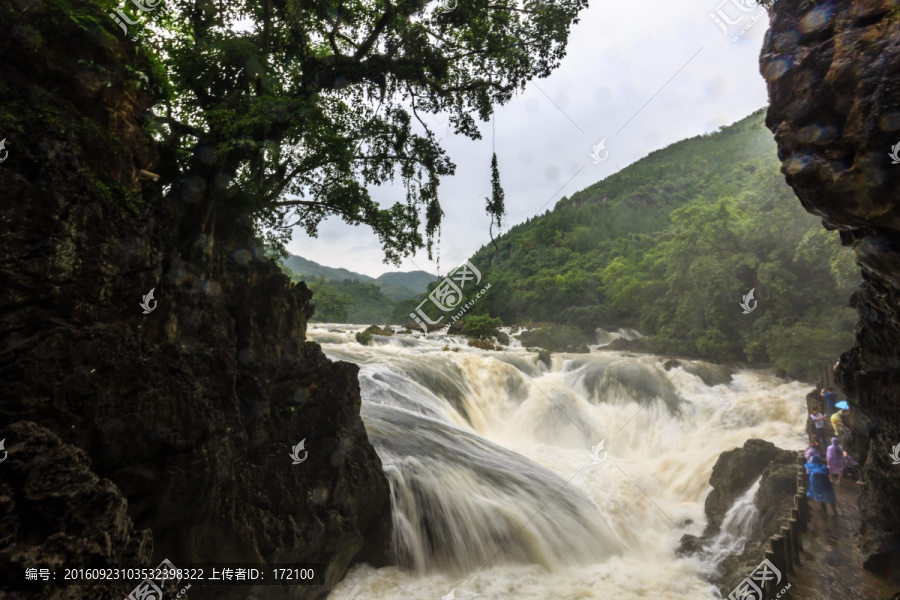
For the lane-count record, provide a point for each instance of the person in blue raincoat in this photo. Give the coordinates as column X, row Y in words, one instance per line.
column 820, row 488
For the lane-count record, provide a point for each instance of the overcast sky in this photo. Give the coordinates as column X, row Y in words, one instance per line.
column 640, row 75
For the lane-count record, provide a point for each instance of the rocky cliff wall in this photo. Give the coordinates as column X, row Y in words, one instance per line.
column 174, row 428
column 734, row 473
column 833, row 73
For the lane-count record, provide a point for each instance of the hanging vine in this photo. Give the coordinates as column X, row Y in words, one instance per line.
column 495, row 206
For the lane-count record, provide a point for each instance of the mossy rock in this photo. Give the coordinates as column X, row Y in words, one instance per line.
column 545, row 357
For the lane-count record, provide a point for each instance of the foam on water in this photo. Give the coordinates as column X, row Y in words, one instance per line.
column 494, row 489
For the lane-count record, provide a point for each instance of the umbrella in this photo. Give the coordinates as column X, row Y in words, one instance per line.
column 842, row 404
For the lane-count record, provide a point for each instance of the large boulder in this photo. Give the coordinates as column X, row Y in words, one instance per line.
column 735, row 471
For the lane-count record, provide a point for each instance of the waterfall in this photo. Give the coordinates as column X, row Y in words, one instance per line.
column 496, row 492
column 736, row 528
column 460, row 501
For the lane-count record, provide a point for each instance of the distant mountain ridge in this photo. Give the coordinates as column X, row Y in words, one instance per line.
column 396, row 285
column 309, row 269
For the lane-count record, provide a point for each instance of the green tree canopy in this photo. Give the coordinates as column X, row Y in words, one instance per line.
column 286, row 111
column 482, row 326
column 330, row 305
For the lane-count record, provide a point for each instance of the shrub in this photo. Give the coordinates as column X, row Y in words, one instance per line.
column 482, row 327
column 483, row 344
column 544, row 357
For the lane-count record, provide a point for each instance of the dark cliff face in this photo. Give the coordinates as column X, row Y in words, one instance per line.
column 833, row 72
column 177, row 424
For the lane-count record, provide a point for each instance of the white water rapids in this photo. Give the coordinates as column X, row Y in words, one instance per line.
column 495, row 493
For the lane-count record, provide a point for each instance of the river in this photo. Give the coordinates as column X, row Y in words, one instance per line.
column 500, row 485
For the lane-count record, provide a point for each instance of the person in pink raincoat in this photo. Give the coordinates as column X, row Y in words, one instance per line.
column 835, row 458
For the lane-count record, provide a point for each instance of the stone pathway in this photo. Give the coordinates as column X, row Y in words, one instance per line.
column 829, row 562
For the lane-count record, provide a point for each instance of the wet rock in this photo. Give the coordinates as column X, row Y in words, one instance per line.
column 711, row 374
column 55, row 511
column 735, row 471
column 413, row 326
column 832, row 75
column 545, row 357
column 733, row 474
column 376, row 330
column 690, row 544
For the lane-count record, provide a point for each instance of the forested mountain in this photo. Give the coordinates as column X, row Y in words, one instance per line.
column 307, row 270
column 671, row 245
column 395, row 284
column 342, row 296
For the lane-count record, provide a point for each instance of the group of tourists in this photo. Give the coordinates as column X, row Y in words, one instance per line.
column 823, row 470
column 838, row 412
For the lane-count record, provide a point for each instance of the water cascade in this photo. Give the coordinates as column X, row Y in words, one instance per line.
column 512, row 479
column 736, row 527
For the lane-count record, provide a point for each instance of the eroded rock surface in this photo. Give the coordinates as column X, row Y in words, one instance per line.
column 833, row 72
column 187, row 414
column 55, row 512
column 733, row 475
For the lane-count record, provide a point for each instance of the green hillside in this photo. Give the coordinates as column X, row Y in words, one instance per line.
column 364, row 302
column 415, row 281
column 670, row 245
column 308, row 270
column 342, row 296
column 368, row 302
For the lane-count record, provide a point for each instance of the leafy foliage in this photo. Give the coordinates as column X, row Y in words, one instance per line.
column 347, row 301
column 331, row 305
column 368, row 302
column 287, row 111
column 482, row 327
column 495, row 205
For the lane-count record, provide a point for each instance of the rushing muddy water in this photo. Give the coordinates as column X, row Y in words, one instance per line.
column 496, row 490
